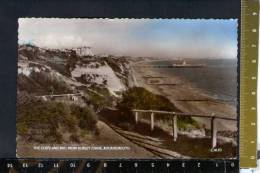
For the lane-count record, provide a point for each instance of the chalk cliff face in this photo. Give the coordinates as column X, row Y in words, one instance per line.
column 100, row 74
column 42, row 70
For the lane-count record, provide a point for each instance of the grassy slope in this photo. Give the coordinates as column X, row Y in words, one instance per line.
column 46, row 122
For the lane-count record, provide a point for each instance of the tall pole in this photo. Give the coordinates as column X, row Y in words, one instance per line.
column 152, row 121
column 136, row 117
column 213, row 133
column 174, row 128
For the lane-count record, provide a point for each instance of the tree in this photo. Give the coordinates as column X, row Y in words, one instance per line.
column 140, row 98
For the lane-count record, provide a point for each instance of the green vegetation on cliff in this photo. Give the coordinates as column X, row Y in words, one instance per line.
column 41, row 83
column 140, row 98
column 48, row 121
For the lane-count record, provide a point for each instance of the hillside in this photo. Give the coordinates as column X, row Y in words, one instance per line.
column 51, row 79
column 39, row 66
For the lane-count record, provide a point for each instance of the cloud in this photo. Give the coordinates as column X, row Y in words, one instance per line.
column 169, row 38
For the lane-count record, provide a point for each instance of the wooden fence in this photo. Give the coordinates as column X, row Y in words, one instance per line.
column 71, row 96
column 175, row 115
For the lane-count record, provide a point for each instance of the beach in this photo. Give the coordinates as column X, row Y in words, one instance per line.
column 186, row 97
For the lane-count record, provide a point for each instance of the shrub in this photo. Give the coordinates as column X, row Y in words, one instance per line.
column 42, row 83
column 41, row 120
column 75, row 138
column 86, row 116
column 140, row 98
column 96, row 100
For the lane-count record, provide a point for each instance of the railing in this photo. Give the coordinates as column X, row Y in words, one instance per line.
column 175, row 117
column 71, row 96
column 61, row 95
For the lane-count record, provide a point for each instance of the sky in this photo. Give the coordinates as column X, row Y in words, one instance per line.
column 164, row 38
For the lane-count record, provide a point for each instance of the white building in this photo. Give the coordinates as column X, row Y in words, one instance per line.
column 84, row 51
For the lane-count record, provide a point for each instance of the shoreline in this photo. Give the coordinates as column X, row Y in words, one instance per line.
column 186, row 97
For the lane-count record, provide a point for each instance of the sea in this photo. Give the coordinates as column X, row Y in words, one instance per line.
column 217, row 78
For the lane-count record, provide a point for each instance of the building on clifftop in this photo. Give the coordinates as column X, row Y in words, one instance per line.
column 84, row 51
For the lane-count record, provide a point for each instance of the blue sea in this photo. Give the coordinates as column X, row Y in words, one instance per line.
column 217, row 78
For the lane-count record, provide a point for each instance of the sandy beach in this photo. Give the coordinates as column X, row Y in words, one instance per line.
column 185, row 96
